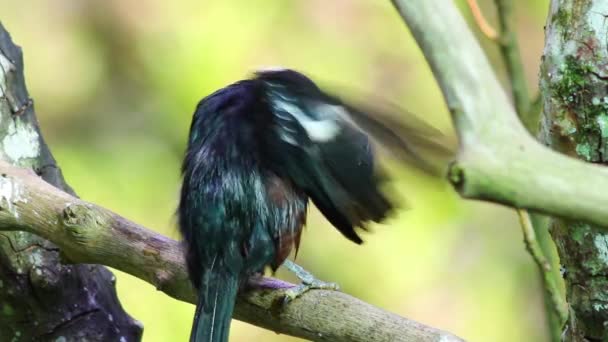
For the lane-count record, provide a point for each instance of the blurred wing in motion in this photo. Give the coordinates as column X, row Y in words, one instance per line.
column 407, row 137
column 405, row 143
column 322, row 144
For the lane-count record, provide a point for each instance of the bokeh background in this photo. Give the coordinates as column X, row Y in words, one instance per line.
column 115, row 83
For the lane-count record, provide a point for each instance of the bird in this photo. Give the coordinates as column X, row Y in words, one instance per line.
column 259, row 150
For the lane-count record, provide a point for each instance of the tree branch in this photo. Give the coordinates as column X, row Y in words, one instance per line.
column 547, row 271
column 87, row 233
column 509, row 48
column 42, row 299
column 575, row 98
column 534, row 227
column 498, row 160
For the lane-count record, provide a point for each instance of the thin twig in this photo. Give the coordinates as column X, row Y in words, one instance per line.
column 534, row 111
column 547, row 272
column 481, row 21
column 531, row 242
column 509, row 48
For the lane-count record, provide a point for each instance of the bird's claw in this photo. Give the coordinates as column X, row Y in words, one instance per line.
column 298, row 290
column 309, row 282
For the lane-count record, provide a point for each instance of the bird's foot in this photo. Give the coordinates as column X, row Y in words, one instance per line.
column 309, row 282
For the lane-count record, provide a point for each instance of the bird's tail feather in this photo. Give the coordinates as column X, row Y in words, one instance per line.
column 216, row 301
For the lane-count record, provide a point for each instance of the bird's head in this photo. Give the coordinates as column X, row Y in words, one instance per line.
column 288, row 80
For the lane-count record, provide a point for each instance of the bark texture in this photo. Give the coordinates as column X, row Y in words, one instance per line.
column 41, row 299
column 574, row 75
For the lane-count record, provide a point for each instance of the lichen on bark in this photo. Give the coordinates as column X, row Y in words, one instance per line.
column 40, row 298
column 574, row 84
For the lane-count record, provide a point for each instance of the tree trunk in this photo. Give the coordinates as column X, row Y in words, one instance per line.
column 573, row 84
column 40, row 298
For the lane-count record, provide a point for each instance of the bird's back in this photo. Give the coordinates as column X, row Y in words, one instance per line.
column 243, row 212
column 258, row 150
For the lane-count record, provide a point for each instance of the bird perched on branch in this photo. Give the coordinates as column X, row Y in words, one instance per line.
column 258, row 150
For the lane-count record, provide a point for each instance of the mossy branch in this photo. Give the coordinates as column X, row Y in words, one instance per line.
column 499, row 160
column 87, row 233
column 574, row 121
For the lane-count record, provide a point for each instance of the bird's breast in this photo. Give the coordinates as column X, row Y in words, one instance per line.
column 289, row 209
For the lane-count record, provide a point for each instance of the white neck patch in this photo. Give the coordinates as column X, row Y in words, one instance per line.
column 322, row 130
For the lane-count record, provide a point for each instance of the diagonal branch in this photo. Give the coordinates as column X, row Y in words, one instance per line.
column 498, row 160
column 87, row 233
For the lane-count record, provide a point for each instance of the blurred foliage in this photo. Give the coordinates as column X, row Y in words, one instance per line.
column 115, row 84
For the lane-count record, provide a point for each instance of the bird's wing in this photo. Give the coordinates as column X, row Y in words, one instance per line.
column 314, row 142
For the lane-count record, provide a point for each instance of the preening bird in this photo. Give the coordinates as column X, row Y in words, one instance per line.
column 258, row 151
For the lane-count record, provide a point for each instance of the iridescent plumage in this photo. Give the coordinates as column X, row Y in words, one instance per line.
column 258, row 150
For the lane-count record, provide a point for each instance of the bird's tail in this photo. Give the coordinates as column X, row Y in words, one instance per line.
column 216, row 301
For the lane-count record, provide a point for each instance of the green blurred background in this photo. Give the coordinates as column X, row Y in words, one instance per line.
column 115, row 84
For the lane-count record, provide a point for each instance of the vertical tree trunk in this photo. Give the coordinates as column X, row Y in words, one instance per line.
column 41, row 299
column 573, row 82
